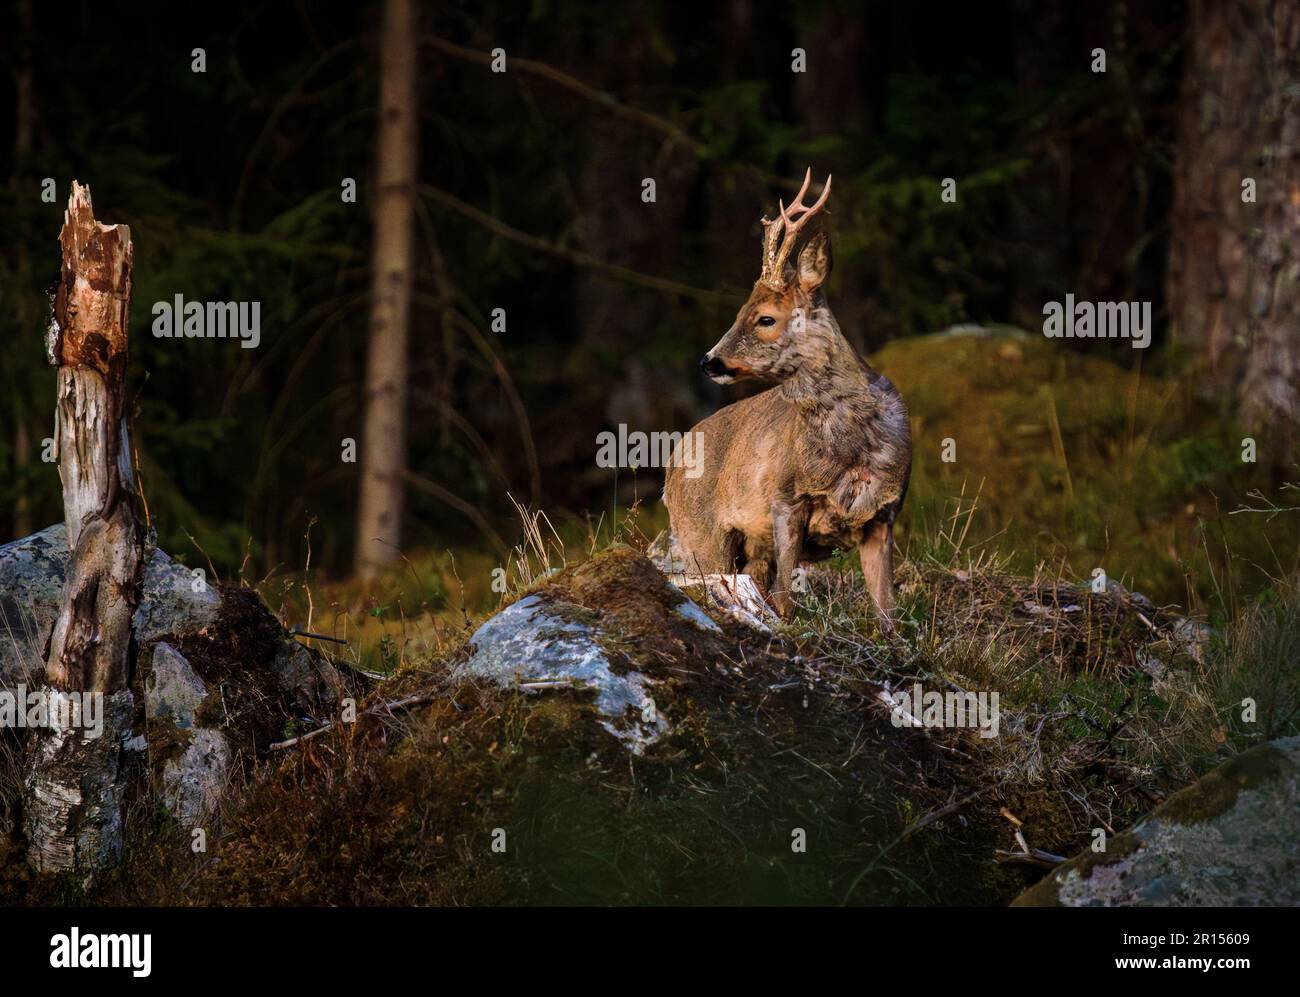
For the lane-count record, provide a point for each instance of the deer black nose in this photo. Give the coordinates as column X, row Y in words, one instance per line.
column 712, row 365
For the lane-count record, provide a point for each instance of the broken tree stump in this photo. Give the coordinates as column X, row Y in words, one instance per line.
column 72, row 812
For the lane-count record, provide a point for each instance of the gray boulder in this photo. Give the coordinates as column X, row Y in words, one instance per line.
column 189, row 763
column 615, row 631
column 313, row 684
column 194, row 780
column 172, row 691
column 532, row 645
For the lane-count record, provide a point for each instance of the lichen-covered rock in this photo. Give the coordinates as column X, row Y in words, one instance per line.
column 172, row 691
column 1231, row 839
column 193, row 780
column 258, row 682
column 178, row 608
column 614, row 626
column 189, row 764
column 1192, row 638
column 32, row 575
column 736, row 595
column 531, row 645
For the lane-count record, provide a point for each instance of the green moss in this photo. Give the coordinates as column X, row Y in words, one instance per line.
column 1081, row 463
column 1216, row 793
column 1045, row 892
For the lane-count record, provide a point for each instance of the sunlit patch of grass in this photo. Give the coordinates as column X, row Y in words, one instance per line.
column 430, row 601
column 1083, row 464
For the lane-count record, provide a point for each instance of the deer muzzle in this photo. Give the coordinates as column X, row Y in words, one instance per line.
column 720, row 371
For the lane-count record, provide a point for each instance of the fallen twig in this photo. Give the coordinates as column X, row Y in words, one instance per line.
column 1034, row 857
column 373, row 676
column 548, row 684
column 300, row 632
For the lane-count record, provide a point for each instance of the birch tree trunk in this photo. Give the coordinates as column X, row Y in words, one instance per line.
column 383, row 445
column 1234, row 268
column 72, row 811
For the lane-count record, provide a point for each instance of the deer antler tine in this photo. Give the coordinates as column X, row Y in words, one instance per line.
column 792, row 224
column 807, row 179
column 826, row 192
column 797, row 204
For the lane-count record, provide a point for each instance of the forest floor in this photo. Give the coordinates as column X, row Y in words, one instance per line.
column 1107, row 706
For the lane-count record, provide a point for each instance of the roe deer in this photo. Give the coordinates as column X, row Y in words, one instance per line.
column 819, row 462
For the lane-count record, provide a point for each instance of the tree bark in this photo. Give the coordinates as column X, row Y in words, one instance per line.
column 383, row 445
column 1271, row 384
column 1234, row 270
column 72, row 812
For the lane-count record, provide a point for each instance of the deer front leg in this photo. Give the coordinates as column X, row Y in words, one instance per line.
column 789, row 520
column 877, row 552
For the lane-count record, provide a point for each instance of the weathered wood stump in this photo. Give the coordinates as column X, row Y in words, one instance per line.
column 73, row 805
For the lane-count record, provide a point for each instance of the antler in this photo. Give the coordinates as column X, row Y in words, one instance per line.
column 780, row 234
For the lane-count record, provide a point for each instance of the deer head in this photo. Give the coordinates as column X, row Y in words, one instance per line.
column 765, row 339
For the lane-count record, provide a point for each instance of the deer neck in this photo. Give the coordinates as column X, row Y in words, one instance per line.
column 831, row 389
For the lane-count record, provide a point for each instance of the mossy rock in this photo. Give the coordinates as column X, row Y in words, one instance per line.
column 767, row 782
column 1230, row 839
column 216, row 680
column 612, row 627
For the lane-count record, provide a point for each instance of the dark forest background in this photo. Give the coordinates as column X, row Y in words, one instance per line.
column 529, row 199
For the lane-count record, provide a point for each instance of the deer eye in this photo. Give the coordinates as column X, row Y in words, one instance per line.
column 767, row 320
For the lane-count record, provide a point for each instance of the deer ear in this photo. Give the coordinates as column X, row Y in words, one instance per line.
column 815, row 262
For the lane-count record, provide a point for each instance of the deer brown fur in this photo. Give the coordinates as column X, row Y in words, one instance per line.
column 819, row 462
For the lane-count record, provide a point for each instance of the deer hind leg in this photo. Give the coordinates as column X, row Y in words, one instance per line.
column 877, row 552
